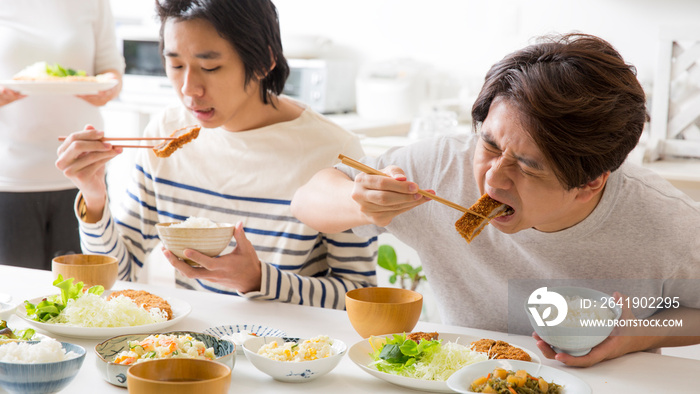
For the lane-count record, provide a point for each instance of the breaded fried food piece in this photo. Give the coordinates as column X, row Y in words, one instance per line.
column 418, row 335
column 182, row 136
column 470, row 225
column 500, row 350
column 145, row 299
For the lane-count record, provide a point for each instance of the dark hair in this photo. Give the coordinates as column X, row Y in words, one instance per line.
column 576, row 97
column 252, row 28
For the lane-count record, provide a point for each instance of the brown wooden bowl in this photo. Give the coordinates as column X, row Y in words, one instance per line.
column 383, row 310
column 178, row 376
column 91, row 269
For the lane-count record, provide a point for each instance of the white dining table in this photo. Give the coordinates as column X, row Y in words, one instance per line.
column 633, row 373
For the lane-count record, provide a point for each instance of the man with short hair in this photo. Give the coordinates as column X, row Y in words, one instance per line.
column 555, row 123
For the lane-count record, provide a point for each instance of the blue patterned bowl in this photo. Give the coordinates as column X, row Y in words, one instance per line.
column 239, row 333
column 289, row 371
column 114, row 373
column 41, row 377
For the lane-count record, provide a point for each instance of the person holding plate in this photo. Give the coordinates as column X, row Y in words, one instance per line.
column 36, row 201
column 254, row 150
column 555, row 121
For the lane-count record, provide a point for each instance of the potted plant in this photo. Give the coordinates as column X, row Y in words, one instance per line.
column 408, row 276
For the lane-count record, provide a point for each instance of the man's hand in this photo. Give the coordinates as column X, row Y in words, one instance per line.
column 82, row 158
column 381, row 198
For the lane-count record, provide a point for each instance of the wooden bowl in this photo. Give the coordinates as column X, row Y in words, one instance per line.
column 209, row 241
column 91, row 269
column 178, row 376
column 383, row 310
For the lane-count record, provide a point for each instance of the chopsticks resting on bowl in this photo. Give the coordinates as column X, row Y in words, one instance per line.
column 63, row 138
column 369, row 170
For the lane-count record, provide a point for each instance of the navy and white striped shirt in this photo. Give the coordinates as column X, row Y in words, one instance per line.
column 246, row 176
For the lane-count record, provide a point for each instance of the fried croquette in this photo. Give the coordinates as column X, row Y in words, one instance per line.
column 500, row 350
column 417, row 336
column 470, row 225
column 182, row 136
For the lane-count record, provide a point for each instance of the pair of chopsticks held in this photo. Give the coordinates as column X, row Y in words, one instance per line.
column 62, row 138
column 369, row 170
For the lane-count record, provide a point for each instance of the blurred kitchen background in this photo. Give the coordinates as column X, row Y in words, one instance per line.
column 395, row 71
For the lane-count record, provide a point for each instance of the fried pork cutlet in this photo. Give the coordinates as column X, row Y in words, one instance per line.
column 470, row 225
column 500, row 350
column 145, row 299
column 417, row 336
column 182, row 136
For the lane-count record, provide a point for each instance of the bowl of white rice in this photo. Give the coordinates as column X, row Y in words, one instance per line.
column 45, row 366
column 294, row 359
column 201, row 234
column 588, row 321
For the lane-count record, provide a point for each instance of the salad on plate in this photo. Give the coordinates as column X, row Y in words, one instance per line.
column 421, row 356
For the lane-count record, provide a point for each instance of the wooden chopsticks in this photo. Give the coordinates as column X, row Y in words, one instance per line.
column 63, row 138
column 369, row 170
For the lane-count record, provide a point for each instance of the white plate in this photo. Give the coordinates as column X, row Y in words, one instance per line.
column 227, row 332
column 180, row 310
column 58, row 87
column 359, row 354
column 461, row 380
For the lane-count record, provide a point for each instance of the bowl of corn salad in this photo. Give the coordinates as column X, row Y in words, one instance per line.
column 294, row 359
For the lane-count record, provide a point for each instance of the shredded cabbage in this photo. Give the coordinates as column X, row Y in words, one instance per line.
column 439, row 365
column 91, row 310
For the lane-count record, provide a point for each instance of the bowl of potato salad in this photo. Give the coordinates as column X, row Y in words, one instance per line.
column 116, row 355
column 294, row 359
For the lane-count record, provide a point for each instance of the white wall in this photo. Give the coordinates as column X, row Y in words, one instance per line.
column 464, row 37
column 467, row 36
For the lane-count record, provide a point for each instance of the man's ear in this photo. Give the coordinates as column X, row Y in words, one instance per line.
column 592, row 188
column 273, row 64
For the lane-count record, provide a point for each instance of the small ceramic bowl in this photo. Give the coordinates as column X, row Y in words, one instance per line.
column 179, row 376
column 91, row 269
column 239, row 333
column 116, row 374
column 289, row 371
column 209, row 241
column 41, row 377
column 566, row 336
column 383, row 310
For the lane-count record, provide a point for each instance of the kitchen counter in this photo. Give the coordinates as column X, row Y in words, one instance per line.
column 638, row 372
column 682, row 170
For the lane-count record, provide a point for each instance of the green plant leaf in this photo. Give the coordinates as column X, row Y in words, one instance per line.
column 386, row 258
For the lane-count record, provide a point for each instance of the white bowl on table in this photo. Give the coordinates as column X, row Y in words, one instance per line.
column 292, row 371
column 461, row 380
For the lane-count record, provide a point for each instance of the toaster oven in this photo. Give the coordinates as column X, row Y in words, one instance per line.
column 327, row 86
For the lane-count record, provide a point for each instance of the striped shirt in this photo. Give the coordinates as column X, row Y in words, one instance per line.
column 250, row 177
